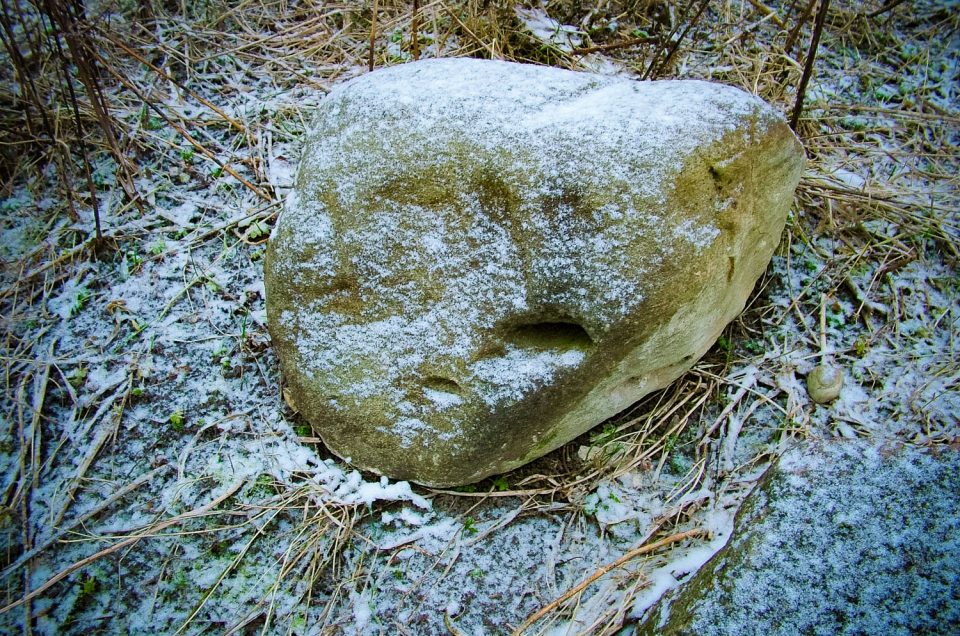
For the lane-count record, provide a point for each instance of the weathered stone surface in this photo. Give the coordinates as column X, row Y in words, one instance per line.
column 843, row 538
column 482, row 260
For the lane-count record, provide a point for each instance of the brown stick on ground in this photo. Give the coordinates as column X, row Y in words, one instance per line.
column 767, row 11
column 414, row 28
column 808, row 63
column 373, row 33
column 622, row 44
column 129, row 541
column 887, row 7
column 632, row 554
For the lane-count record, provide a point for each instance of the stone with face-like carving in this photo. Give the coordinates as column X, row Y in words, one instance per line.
column 482, row 260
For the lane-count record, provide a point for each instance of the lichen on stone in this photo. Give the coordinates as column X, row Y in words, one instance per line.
column 527, row 237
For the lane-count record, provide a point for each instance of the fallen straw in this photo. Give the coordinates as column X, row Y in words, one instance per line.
column 632, row 554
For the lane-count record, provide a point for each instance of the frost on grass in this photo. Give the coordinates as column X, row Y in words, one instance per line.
column 841, row 538
column 147, row 381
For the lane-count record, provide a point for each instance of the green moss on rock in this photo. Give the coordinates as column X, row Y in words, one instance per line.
column 482, row 260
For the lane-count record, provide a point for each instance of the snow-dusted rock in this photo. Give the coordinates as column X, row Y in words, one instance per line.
column 482, row 260
column 824, row 383
column 840, row 538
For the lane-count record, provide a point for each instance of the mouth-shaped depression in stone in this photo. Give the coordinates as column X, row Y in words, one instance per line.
column 482, row 260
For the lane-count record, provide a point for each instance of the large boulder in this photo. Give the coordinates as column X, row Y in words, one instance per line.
column 839, row 538
column 482, row 260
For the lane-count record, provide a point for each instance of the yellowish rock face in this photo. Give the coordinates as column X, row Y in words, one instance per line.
column 482, row 260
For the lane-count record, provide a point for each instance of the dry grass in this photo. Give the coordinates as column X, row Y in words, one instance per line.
column 137, row 67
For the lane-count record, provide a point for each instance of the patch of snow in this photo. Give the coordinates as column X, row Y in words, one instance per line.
column 542, row 26
column 70, row 300
column 443, row 399
column 511, row 376
column 361, row 611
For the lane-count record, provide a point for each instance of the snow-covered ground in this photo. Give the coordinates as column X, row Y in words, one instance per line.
column 155, row 480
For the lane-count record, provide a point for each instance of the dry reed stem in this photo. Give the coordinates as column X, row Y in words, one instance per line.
column 612, row 46
column 373, row 34
column 629, row 556
column 415, row 31
column 808, row 62
column 60, row 533
column 129, row 541
column 767, row 11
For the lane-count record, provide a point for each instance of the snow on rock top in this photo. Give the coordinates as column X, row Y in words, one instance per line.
column 481, row 260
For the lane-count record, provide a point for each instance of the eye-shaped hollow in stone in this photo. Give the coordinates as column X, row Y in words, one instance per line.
column 482, row 260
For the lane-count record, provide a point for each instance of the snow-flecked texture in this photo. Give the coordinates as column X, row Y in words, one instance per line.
column 205, row 359
column 442, row 204
column 841, row 538
column 498, row 562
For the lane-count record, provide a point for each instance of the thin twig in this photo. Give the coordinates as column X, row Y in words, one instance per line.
column 663, row 40
column 768, row 12
column 414, row 31
column 373, row 34
column 890, row 6
column 622, row 44
column 632, row 554
column 808, row 63
column 129, row 541
column 795, row 32
column 183, row 133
